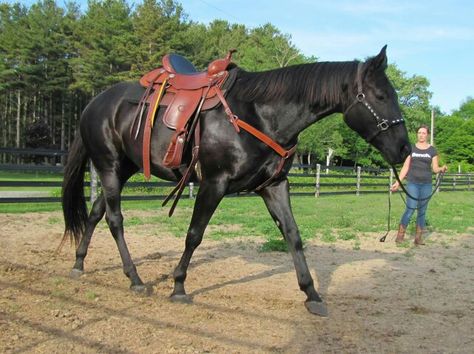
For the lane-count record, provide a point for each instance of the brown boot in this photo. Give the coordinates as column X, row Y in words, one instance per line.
column 419, row 236
column 400, row 234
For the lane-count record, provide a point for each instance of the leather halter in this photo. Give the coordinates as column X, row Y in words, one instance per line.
column 382, row 124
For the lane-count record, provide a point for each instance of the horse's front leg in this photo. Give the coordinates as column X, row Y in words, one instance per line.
column 207, row 200
column 277, row 200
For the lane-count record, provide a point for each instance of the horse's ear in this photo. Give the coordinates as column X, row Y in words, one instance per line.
column 379, row 62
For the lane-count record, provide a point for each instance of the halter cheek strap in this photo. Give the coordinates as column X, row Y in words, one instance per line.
column 382, row 124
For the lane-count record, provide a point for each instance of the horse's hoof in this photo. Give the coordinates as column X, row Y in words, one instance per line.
column 76, row 273
column 181, row 298
column 317, row 308
column 141, row 289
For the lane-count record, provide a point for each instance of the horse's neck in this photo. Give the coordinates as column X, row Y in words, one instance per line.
column 305, row 94
column 288, row 120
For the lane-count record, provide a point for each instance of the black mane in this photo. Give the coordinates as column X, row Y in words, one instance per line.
column 315, row 82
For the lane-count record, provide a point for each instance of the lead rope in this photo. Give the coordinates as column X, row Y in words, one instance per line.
column 439, row 178
column 382, row 239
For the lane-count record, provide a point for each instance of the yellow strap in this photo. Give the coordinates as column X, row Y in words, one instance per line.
column 160, row 95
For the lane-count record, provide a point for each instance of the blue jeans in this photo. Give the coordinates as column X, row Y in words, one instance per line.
column 418, row 191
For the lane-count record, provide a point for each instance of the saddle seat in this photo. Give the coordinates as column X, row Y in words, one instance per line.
column 182, row 73
column 178, row 64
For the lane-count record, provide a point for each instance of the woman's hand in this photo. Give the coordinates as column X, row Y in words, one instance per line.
column 394, row 186
column 443, row 168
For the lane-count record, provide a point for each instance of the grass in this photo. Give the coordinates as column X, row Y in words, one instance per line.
column 356, row 246
column 274, row 245
column 90, row 295
column 330, row 218
column 346, row 235
column 328, row 237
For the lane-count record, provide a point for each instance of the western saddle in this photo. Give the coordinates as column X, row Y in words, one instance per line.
column 185, row 92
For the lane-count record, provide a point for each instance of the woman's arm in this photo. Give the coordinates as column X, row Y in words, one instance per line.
column 403, row 173
column 435, row 166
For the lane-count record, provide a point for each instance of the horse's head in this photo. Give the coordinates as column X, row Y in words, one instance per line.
column 374, row 113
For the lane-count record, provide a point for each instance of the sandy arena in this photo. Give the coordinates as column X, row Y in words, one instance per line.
column 381, row 298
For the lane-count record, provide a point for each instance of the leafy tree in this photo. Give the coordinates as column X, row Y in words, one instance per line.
column 105, row 46
column 267, row 48
column 13, row 25
column 202, row 43
column 324, row 135
column 258, row 49
column 47, row 46
column 156, row 25
column 466, row 111
column 455, row 136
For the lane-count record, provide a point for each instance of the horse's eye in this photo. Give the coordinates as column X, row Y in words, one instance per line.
column 380, row 97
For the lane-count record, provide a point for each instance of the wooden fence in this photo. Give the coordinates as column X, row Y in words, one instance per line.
column 308, row 180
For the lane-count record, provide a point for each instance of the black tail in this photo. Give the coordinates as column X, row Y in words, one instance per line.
column 73, row 200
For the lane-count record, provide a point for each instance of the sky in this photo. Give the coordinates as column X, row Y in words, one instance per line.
column 431, row 38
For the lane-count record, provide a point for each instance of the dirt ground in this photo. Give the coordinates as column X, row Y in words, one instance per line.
column 381, row 298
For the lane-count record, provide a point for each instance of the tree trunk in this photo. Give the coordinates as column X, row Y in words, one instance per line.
column 4, row 126
column 18, row 121
column 10, row 119
column 25, row 112
column 53, row 123
column 63, row 129
column 5, row 121
column 34, row 107
column 18, row 118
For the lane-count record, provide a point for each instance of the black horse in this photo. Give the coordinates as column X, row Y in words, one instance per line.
column 281, row 103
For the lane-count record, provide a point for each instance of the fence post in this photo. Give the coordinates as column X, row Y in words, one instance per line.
column 358, row 181
column 93, row 182
column 454, row 182
column 191, row 190
column 468, row 182
column 318, row 176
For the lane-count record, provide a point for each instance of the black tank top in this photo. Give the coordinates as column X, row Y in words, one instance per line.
column 420, row 165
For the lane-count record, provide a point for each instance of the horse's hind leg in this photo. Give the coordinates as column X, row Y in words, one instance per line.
column 112, row 187
column 207, row 200
column 96, row 214
column 277, row 200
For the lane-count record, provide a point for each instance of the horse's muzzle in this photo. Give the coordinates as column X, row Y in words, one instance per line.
column 405, row 151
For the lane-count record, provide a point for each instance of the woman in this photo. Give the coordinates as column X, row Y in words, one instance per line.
column 417, row 168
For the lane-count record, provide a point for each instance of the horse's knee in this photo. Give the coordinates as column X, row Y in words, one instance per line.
column 114, row 221
column 298, row 244
column 96, row 215
column 294, row 241
column 193, row 240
